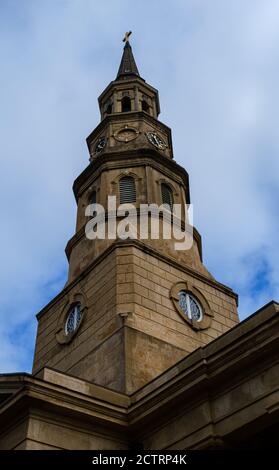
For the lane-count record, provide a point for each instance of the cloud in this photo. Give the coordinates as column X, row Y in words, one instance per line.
column 215, row 65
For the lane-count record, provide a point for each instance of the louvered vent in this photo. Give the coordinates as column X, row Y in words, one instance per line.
column 166, row 195
column 127, row 190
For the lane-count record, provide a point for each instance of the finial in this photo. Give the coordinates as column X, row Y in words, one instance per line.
column 128, row 65
column 126, row 37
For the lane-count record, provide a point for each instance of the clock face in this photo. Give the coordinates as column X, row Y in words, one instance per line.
column 101, row 143
column 156, row 140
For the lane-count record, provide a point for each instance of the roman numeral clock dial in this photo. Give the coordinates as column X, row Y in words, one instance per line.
column 156, row 140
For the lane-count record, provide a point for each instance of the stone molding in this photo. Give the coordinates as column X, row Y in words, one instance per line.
column 140, row 245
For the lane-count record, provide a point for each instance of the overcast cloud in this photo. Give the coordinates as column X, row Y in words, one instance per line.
column 216, row 65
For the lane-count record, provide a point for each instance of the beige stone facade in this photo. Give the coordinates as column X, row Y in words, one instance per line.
column 132, row 328
column 136, row 368
column 131, row 331
column 222, row 395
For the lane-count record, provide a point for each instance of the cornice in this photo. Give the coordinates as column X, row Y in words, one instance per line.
column 33, row 388
column 147, row 249
column 139, row 157
column 211, row 371
column 78, row 236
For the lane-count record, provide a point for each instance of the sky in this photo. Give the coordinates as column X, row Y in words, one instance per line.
column 216, row 66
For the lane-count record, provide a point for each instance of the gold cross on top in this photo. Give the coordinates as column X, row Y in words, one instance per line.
column 126, row 37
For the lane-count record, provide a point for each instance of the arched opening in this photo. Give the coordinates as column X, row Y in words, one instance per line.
column 125, row 104
column 93, row 200
column 127, row 190
column 108, row 109
column 145, row 106
column 167, row 197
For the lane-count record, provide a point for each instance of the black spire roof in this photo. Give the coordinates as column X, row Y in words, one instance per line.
column 128, row 65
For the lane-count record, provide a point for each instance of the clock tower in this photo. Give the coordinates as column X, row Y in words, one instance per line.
column 142, row 348
column 132, row 307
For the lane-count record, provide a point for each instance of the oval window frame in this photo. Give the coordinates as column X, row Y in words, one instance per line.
column 61, row 336
column 206, row 320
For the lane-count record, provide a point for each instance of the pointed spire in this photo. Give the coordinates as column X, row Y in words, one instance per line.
column 127, row 65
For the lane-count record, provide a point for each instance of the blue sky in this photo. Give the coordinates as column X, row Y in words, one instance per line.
column 216, row 65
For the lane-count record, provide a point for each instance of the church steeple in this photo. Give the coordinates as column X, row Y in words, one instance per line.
column 128, row 66
column 129, row 92
column 134, row 306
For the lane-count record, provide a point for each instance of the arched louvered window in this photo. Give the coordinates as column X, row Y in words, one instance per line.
column 167, row 195
column 127, row 189
column 125, row 104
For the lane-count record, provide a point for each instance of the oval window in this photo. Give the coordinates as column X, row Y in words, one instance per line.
column 190, row 306
column 73, row 319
